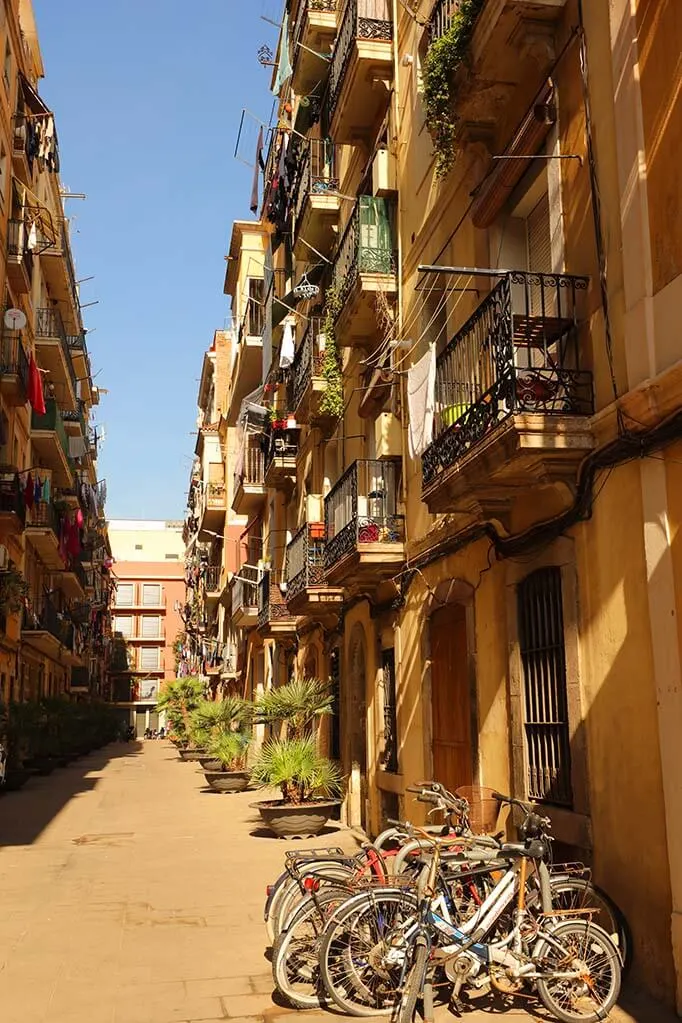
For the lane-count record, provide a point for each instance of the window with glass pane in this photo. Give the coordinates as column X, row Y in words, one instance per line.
column 151, row 594
column 150, row 658
column 124, row 625
column 125, row 595
column 151, row 626
column 543, row 657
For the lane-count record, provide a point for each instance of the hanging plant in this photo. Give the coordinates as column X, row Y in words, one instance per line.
column 13, row 591
column 331, row 403
column 443, row 60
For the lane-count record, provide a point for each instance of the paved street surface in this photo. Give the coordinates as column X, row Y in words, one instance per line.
column 130, row 894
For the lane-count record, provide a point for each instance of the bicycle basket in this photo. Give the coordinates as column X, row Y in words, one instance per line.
column 483, row 809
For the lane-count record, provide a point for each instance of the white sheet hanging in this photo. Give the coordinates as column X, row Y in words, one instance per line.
column 421, row 401
column 288, row 349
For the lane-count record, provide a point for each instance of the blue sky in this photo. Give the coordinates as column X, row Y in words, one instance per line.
column 147, row 96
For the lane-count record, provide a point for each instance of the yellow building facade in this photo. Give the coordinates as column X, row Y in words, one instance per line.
column 459, row 460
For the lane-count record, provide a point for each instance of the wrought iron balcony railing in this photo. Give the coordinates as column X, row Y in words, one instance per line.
column 305, row 561
column 13, row 358
column 271, row 601
column 212, row 578
column 443, row 17
column 245, row 591
column 49, row 324
column 11, row 496
column 367, row 244
column 317, row 174
column 307, row 360
column 17, row 237
column 304, row 8
column 41, row 615
column 45, row 515
column 252, row 470
column 282, row 443
column 362, row 508
column 52, row 420
column 359, row 21
column 519, row 352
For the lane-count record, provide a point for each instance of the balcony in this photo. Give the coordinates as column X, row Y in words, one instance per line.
column 12, row 506
column 212, row 583
column 274, row 617
column 361, row 69
column 80, row 360
column 365, row 264
column 245, row 598
column 46, row 629
column 316, row 199
column 365, row 532
column 56, row 263
column 19, row 257
column 54, row 353
column 308, row 592
column 314, row 31
column 73, row 580
column 249, row 479
column 50, row 443
column 280, row 459
column 24, row 148
column 512, row 402
column 13, row 369
column 511, row 51
column 213, row 508
column 43, row 532
column 309, row 385
column 80, row 680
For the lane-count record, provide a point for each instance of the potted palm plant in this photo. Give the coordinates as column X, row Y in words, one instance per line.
column 179, row 698
column 229, row 750
column 308, row 781
column 213, row 718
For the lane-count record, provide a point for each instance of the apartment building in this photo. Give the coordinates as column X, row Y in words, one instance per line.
column 54, row 557
column 146, row 615
column 459, row 465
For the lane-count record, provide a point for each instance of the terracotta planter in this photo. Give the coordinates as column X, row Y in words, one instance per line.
column 292, row 820
column 227, row 781
column 192, row 755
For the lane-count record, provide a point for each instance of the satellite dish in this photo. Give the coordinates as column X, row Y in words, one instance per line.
column 15, row 319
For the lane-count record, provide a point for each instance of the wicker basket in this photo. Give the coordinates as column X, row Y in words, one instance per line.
column 483, row 808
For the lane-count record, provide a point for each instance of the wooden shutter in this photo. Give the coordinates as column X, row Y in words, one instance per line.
column 539, row 238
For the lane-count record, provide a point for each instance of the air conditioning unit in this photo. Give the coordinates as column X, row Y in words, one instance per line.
column 4, row 558
column 384, row 173
column 387, row 442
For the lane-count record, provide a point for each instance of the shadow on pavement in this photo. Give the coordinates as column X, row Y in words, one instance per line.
column 25, row 814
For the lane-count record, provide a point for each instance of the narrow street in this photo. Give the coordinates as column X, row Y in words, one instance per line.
column 132, row 895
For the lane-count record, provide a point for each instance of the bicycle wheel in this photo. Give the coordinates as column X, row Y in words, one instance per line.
column 413, row 985
column 295, row 958
column 286, row 887
column 579, row 893
column 356, row 974
column 291, row 896
column 578, row 945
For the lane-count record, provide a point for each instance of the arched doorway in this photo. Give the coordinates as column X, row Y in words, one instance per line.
column 356, row 732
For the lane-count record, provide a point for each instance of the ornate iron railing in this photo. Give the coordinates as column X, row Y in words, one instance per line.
column 13, row 359
column 49, row 323
column 367, row 244
column 245, row 591
column 44, row 514
column 305, row 560
column 281, row 444
column 518, row 352
column 271, row 601
column 41, row 615
column 354, row 25
column 307, row 360
column 212, row 578
column 304, row 8
column 317, row 174
column 11, row 496
column 215, row 494
column 17, row 232
column 252, row 471
column 443, row 17
column 362, row 508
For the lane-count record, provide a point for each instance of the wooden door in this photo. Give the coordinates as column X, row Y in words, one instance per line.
column 451, row 706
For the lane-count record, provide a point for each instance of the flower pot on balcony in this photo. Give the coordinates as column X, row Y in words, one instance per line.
column 296, row 820
column 227, row 781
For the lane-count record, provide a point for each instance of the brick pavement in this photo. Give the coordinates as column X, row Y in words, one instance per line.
column 129, row 894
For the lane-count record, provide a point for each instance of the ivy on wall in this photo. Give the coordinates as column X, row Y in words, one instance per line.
column 443, row 60
column 331, row 403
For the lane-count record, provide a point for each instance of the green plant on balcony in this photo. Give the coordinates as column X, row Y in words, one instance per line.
column 443, row 60
column 331, row 403
column 13, row 591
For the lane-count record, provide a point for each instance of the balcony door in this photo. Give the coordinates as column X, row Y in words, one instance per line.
column 451, row 702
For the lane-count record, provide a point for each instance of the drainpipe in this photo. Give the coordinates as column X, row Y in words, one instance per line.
column 402, row 380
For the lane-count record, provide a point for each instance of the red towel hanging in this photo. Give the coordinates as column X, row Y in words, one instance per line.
column 35, row 388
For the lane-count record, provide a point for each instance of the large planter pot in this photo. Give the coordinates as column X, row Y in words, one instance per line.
column 192, row 755
column 210, row 764
column 227, row 781
column 292, row 820
column 15, row 778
